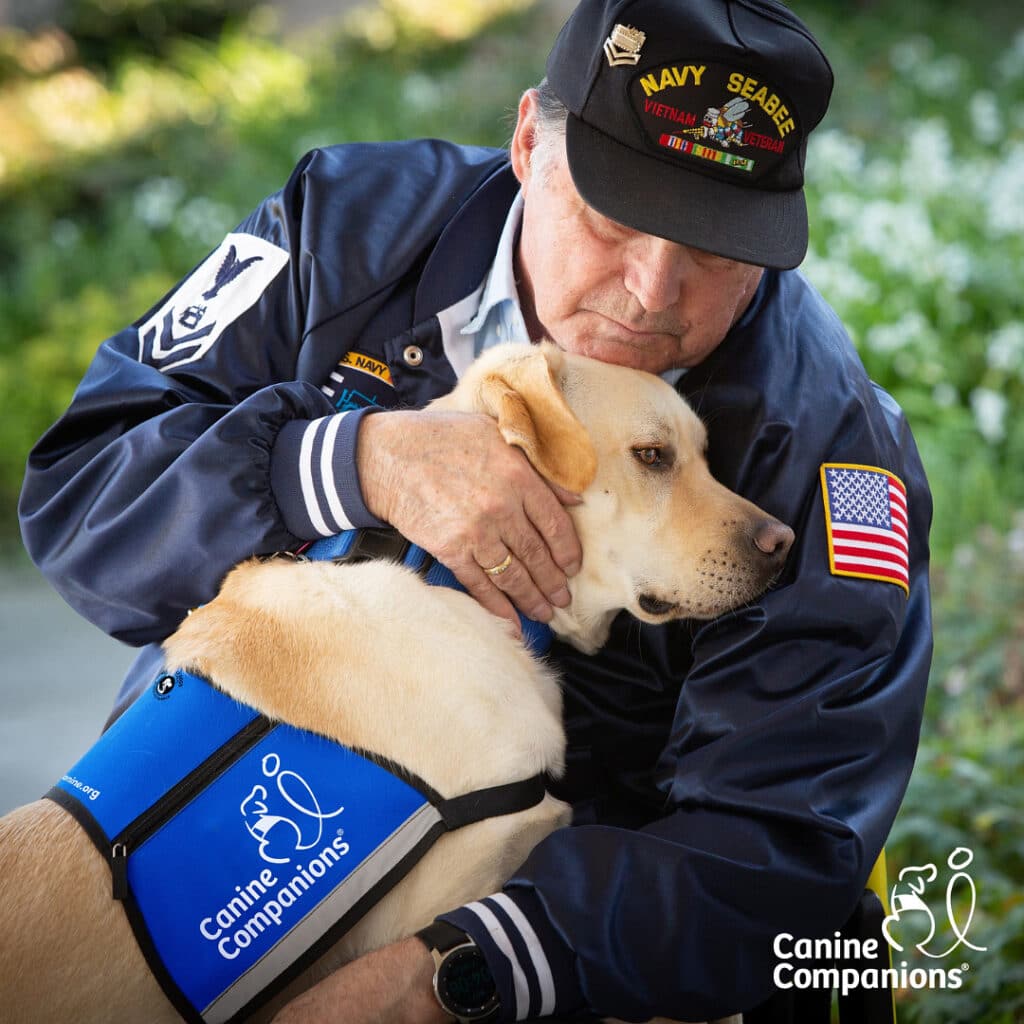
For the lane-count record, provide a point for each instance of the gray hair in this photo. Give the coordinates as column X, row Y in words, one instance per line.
column 549, row 144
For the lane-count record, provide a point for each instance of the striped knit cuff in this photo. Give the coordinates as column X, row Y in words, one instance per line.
column 532, row 966
column 314, row 479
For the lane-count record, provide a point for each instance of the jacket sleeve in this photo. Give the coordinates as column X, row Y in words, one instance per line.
column 790, row 751
column 158, row 477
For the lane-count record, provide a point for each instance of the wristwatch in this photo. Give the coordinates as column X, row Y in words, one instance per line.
column 462, row 980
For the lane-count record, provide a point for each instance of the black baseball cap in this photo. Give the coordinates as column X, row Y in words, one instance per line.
column 688, row 119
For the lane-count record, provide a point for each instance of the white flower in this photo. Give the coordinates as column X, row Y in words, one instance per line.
column 422, row 92
column 973, row 178
column 964, row 557
column 157, row 200
column 899, row 234
column 954, row 264
column 204, row 220
column 911, row 330
column 1004, row 195
column 834, row 154
column 942, row 76
column 985, row 118
column 842, row 208
column 927, row 166
column 1015, row 541
column 989, row 408
column 1011, row 64
column 1006, row 347
column 909, row 53
column 840, row 283
column 65, row 233
column 881, row 175
column 956, row 682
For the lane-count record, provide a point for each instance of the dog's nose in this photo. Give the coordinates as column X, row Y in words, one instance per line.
column 773, row 538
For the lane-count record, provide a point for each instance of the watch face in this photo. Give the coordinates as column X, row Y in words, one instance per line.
column 465, row 985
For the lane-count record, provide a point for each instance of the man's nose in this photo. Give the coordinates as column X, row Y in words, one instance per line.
column 654, row 270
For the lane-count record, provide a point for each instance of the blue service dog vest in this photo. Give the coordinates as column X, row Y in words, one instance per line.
column 242, row 849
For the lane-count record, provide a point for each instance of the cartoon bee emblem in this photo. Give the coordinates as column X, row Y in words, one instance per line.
column 725, row 124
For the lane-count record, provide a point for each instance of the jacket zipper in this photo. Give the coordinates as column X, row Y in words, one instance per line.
column 155, row 817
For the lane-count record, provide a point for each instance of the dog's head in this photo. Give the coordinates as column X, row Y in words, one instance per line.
column 660, row 536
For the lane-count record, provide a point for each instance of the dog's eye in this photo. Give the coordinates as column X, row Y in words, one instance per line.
column 649, row 456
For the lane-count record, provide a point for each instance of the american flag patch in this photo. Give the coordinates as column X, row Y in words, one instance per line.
column 866, row 520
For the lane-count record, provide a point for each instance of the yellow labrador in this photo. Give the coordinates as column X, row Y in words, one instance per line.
column 660, row 538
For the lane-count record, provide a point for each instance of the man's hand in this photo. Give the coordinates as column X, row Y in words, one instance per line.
column 450, row 483
column 393, row 985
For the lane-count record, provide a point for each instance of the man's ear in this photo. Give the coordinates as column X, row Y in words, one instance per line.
column 524, row 138
column 532, row 414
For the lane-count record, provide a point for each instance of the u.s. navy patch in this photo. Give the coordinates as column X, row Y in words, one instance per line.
column 866, row 521
column 358, row 381
column 216, row 294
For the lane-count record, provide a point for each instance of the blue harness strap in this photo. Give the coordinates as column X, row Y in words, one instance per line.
column 243, row 848
column 363, row 545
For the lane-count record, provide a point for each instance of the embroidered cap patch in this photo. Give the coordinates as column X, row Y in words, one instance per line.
column 866, row 521
column 716, row 118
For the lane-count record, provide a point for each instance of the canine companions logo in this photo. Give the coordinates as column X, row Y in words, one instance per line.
column 909, row 913
column 284, row 816
column 907, row 898
column 299, row 827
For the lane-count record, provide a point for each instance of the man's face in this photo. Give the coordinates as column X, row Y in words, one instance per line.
column 603, row 290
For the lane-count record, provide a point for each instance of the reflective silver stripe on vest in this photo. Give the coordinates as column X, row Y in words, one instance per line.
column 321, row 918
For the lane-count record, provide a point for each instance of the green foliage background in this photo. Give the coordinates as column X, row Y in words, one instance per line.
column 133, row 137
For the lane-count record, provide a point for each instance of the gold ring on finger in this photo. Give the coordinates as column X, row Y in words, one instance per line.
column 497, row 570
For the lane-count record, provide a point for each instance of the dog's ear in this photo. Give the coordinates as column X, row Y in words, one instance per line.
column 532, row 413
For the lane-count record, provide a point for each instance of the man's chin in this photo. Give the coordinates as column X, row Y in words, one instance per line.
column 651, row 352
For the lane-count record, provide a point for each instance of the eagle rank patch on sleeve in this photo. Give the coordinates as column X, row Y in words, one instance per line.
column 215, row 294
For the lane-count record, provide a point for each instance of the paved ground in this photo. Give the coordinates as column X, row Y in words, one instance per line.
column 58, row 678
column 58, row 674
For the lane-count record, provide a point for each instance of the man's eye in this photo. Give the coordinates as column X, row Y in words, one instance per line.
column 649, row 456
column 604, row 227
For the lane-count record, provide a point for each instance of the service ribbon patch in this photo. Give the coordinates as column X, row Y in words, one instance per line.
column 359, row 380
column 866, row 521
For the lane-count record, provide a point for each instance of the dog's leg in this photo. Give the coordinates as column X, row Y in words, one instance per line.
column 462, row 866
column 64, row 954
column 736, row 1018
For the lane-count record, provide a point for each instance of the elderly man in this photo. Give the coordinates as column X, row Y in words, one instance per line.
column 730, row 780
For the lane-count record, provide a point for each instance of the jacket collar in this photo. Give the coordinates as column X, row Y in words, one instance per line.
column 482, row 216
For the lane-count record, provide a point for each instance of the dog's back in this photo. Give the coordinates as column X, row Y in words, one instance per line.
column 463, row 708
column 370, row 656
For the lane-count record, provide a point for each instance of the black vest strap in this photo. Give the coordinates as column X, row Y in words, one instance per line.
column 492, row 803
column 370, row 544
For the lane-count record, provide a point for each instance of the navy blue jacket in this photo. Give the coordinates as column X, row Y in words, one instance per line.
column 730, row 779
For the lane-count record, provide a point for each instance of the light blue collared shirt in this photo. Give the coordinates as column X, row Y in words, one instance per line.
column 491, row 313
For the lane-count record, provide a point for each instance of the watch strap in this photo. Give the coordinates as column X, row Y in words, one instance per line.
column 442, row 936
